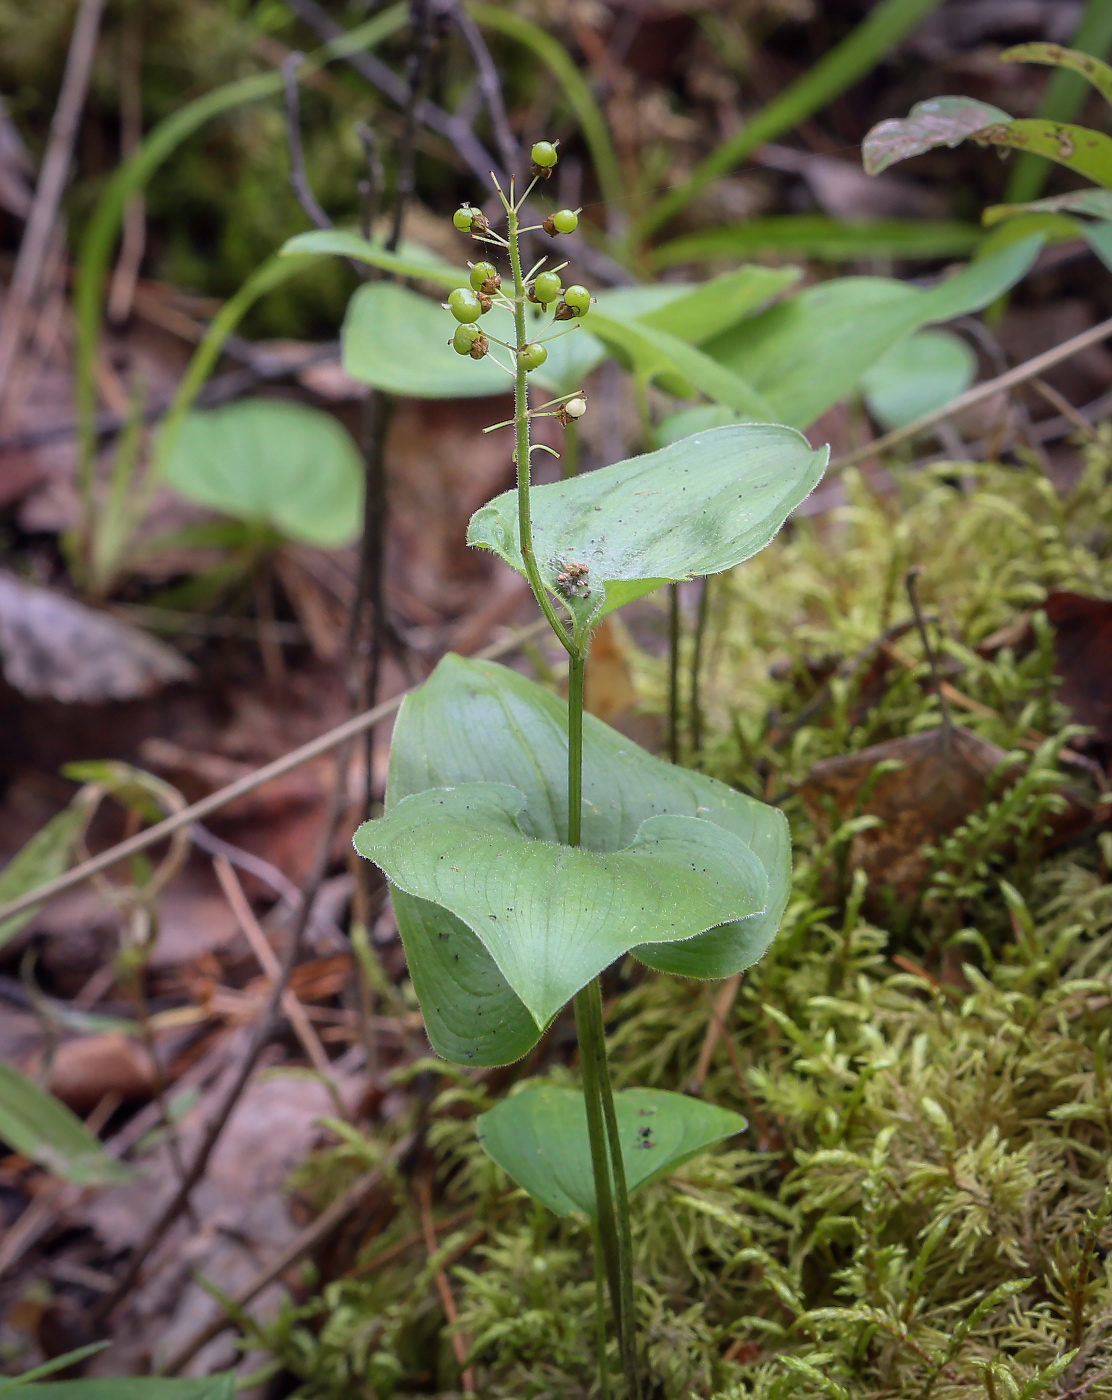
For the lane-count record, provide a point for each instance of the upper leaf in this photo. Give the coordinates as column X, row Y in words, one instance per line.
column 270, row 462
column 801, row 355
column 698, row 506
column 479, row 722
column 1094, row 69
column 940, row 121
column 553, row 916
column 539, row 1137
column 43, row 1128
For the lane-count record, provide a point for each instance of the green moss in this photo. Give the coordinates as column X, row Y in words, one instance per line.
column 921, row 1206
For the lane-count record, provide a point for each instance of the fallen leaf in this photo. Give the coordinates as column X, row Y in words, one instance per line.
column 1083, row 646
column 941, row 782
column 84, row 1070
column 55, row 647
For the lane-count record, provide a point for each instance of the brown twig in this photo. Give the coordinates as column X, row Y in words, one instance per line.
column 489, row 84
column 133, row 244
column 309, row 1238
column 716, row 1028
column 461, row 1345
column 268, row 961
column 299, row 178
column 1021, row 374
column 325, row 743
column 51, row 183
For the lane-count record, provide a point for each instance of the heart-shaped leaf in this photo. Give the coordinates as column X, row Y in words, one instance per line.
column 539, row 1137
column 476, row 721
column 917, row 375
column 270, row 462
column 940, row 121
column 799, row 356
column 399, row 341
column 553, row 916
column 698, row 506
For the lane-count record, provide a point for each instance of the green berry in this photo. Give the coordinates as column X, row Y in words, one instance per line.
column 463, row 217
column 532, row 356
column 464, row 305
column 578, row 298
column 482, row 272
column 464, row 338
column 547, row 287
column 565, row 221
column 544, row 155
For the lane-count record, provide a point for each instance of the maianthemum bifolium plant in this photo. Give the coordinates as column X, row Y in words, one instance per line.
column 529, row 846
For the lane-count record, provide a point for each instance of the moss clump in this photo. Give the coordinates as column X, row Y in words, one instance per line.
column 921, row 1205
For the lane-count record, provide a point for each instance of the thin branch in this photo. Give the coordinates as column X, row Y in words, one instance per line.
column 51, row 184
column 1030, row 369
column 299, row 179
column 452, row 129
column 313, row 1235
column 325, row 743
column 489, row 85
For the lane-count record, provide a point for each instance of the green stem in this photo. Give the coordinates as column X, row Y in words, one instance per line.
column 521, row 424
column 695, row 702
column 596, row 1135
column 600, row 1313
column 674, row 672
column 628, row 1335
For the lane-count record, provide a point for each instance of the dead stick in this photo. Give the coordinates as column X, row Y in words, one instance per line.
column 313, row 1234
column 248, row 783
column 460, row 1345
column 52, row 182
column 1030, row 369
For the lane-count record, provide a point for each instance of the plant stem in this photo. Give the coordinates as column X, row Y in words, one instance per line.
column 600, row 1326
column 521, row 423
column 674, row 672
column 695, row 702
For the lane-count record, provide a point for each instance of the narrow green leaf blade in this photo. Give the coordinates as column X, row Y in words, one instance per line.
column 799, row 356
column 553, row 916
column 917, row 375
column 538, row 1136
column 940, row 121
column 1098, row 73
column 476, row 721
column 1096, row 204
column 46, row 856
column 823, row 238
column 43, row 1128
column 222, row 1387
column 698, row 506
column 711, row 307
column 271, row 462
column 1078, row 148
column 413, row 261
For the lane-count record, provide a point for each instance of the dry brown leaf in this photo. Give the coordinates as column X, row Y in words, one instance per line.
column 55, row 647
column 940, row 784
column 84, row 1070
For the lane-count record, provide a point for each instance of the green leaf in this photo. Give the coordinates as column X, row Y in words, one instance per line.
column 940, row 121
column 553, row 916
column 275, row 463
column 222, row 1387
column 869, row 44
column 46, row 856
column 696, row 507
column 818, row 236
column 56, row 1363
column 679, row 368
column 918, row 375
column 413, row 261
column 693, row 420
column 801, row 356
column 398, row 341
column 707, row 308
column 538, row 1136
column 478, row 722
column 1078, row 148
column 43, row 1128
column 1090, row 68
column 1097, row 204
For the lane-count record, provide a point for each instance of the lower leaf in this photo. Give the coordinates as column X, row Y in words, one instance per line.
column 539, row 1137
